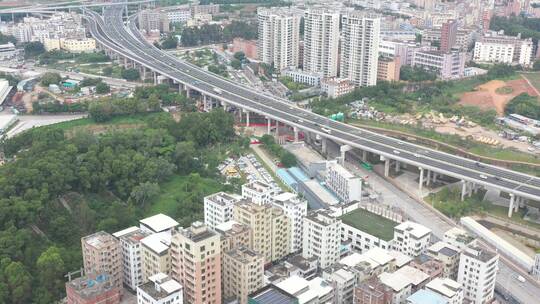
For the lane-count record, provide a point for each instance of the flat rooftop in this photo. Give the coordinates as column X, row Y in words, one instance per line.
column 167, row 286
column 159, row 222
column 370, row 223
column 272, row 294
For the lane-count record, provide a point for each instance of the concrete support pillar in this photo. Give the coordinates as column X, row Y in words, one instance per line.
column 428, row 178
column 277, row 128
column 511, row 206
column 364, row 155
column 188, row 93
column 268, row 126
column 397, row 166
column 386, row 167
column 518, row 203
column 434, row 177
column 343, row 149
column 463, row 190
column 421, row 179
column 323, row 145
column 295, row 130
column 247, row 118
column 155, row 78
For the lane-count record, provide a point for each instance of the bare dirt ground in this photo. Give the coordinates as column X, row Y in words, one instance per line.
column 487, row 97
column 478, row 131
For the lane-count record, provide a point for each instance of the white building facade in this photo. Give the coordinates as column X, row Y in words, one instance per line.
column 130, row 242
column 497, row 48
column 279, row 36
column 295, row 209
column 411, row 238
column 477, row 273
column 360, row 48
column 160, row 289
column 321, row 41
column 218, row 208
column 321, row 238
column 258, row 192
column 343, row 183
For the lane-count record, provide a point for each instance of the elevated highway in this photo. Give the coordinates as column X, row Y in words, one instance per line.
column 124, row 39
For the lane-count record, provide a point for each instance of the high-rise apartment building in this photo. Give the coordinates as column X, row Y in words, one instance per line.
column 155, row 255
column 321, row 238
column 279, row 36
column 360, row 48
column 130, row 242
column 153, row 20
column 196, row 263
column 271, row 231
column 233, row 234
column 449, row 31
column 243, row 273
column 477, row 273
column 258, row 192
column 102, row 255
column 321, row 41
column 218, row 208
column 295, row 209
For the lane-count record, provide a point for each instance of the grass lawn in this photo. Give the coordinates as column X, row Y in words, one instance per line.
column 176, row 190
column 517, row 217
column 370, row 223
column 534, row 78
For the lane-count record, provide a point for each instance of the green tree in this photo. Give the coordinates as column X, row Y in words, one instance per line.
column 19, row 283
column 524, row 104
column 184, row 156
column 100, row 111
column 416, row 74
column 288, row 159
column 107, row 71
column 50, row 271
column 536, row 65
column 50, row 78
column 7, row 38
column 102, row 88
column 236, row 64
column 170, row 42
column 33, row 49
column 144, row 192
column 130, row 74
column 240, row 56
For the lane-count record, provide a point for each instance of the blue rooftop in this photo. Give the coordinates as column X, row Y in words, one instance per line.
column 298, row 174
column 287, row 178
column 424, row 296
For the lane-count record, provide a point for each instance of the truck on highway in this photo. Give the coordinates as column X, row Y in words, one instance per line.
column 218, row 90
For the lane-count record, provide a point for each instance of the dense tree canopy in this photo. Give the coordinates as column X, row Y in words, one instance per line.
column 214, row 33
column 525, row 105
column 415, row 74
column 130, row 74
column 33, row 49
column 7, row 38
column 50, row 78
column 40, row 237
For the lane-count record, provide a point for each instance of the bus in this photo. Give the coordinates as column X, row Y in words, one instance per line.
column 366, row 166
